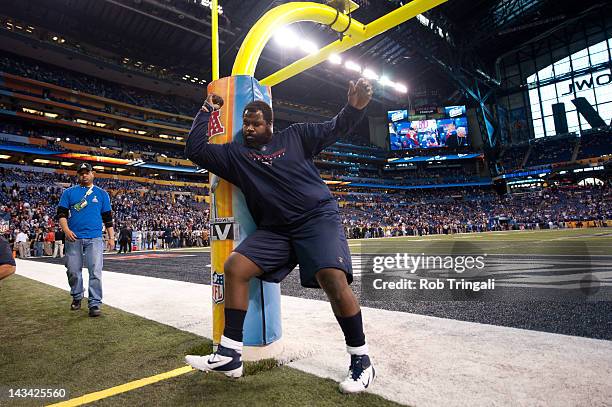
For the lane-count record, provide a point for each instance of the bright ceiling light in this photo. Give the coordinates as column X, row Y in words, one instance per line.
column 352, row 66
column 286, row 38
column 370, row 74
column 385, row 81
column 308, row 47
column 401, row 88
column 335, row 59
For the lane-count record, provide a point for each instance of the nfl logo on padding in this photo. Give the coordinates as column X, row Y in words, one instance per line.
column 216, row 282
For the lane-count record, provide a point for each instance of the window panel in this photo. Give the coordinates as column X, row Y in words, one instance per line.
column 588, row 94
column 580, row 63
column 580, row 54
column 605, row 111
column 584, row 125
column 604, row 93
column 599, row 57
column 599, row 96
column 599, row 47
column 534, row 96
column 548, row 93
column 572, row 121
column 538, row 129
column 547, row 106
column 562, row 66
column 563, row 87
column 532, row 78
column 549, row 123
column 546, row 73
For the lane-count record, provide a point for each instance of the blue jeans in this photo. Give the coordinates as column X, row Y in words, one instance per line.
column 93, row 250
column 38, row 249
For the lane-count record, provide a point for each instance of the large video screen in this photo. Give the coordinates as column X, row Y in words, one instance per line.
column 405, row 134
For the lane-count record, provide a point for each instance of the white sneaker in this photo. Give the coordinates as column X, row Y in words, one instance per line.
column 361, row 375
column 224, row 360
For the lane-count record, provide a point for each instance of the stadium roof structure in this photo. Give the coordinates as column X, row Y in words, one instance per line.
column 460, row 35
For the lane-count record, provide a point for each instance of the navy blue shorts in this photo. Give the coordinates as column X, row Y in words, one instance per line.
column 316, row 243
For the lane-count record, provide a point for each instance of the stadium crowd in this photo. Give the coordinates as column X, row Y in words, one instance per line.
column 161, row 217
column 85, row 83
column 156, row 216
column 462, row 211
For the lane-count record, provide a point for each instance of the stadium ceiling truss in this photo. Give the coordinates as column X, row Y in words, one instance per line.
column 177, row 34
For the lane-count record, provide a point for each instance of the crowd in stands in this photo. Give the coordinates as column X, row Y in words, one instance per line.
column 592, row 143
column 43, row 72
column 28, row 203
column 595, row 143
column 418, row 176
column 29, row 68
column 164, row 217
column 425, row 212
column 551, row 150
column 57, row 140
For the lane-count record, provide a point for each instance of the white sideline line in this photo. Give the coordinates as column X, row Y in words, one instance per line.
column 420, row 360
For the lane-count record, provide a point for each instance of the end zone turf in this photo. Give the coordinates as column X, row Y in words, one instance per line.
column 45, row 345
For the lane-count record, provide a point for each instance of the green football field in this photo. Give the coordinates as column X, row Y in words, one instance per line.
column 582, row 242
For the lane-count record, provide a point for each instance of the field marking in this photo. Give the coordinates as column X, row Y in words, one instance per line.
column 102, row 394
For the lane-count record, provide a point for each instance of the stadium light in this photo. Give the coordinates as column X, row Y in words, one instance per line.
column 401, row 88
column 350, row 65
column 370, row 74
column 308, row 47
column 335, row 59
column 286, row 38
column 385, row 81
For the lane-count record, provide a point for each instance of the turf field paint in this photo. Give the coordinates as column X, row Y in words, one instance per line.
column 102, row 394
column 231, row 221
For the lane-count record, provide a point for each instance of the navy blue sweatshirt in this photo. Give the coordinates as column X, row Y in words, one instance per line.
column 280, row 182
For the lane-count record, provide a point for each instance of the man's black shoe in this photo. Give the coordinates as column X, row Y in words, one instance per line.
column 76, row 305
column 95, row 311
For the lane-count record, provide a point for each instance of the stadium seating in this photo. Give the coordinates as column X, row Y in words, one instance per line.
column 550, row 150
column 29, row 201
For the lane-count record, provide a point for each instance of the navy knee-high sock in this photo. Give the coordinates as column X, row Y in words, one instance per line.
column 352, row 327
column 234, row 321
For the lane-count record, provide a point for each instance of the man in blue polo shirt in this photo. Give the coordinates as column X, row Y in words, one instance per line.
column 81, row 212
